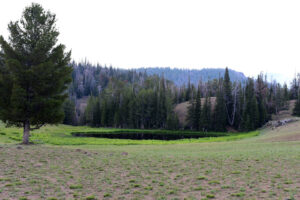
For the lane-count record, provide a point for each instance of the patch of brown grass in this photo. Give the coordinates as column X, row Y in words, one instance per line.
column 182, row 109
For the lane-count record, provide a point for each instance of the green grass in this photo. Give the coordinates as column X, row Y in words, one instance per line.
column 62, row 135
column 239, row 166
column 190, row 171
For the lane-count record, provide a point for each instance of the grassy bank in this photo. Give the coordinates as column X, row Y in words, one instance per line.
column 62, row 135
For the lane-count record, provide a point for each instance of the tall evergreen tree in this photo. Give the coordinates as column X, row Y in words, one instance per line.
column 69, row 112
column 1, row 60
column 294, row 87
column 197, row 121
column 239, row 106
column 296, row 110
column 190, row 118
column 206, row 115
column 162, row 103
column 97, row 113
column 35, row 74
column 250, row 113
column 227, row 86
column 220, row 119
column 188, row 91
column 89, row 111
column 285, row 94
column 279, row 98
column 104, row 113
column 260, row 96
column 172, row 121
column 133, row 113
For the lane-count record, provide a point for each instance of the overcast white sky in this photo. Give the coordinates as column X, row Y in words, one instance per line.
column 248, row 36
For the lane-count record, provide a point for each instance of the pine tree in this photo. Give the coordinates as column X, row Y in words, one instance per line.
column 260, row 95
column 190, row 118
column 117, row 119
column 88, row 113
column 197, row 113
column 250, row 113
column 69, row 112
column 285, row 95
column 271, row 100
column 296, row 110
column 228, row 97
column 35, row 74
column 294, row 87
column 206, row 115
column 220, row 112
column 97, row 113
column 162, row 103
column 125, row 108
column 1, row 60
column 132, row 113
column 262, row 112
column 153, row 108
column 279, row 99
column 103, row 113
column 239, row 106
column 188, row 90
column 172, row 121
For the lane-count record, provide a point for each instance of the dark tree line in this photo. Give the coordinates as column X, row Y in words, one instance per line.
column 149, row 101
column 242, row 106
column 123, row 105
column 91, row 80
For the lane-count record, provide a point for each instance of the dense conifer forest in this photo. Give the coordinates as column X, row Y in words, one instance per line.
column 135, row 99
column 144, row 98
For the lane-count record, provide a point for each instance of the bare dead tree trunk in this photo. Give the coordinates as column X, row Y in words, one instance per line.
column 231, row 119
column 26, row 132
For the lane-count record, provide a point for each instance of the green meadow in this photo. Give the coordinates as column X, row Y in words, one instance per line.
column 62, row 135
column 257, row 165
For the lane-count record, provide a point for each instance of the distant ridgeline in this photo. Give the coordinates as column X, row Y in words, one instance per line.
column 90, row 79
column 181, row 76
column 146, row 98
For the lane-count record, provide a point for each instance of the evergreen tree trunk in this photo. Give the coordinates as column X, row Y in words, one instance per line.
column 26, row 132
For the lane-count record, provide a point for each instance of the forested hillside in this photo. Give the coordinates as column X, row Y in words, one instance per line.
column 181, row 76
column 88, row 79
column 91, row 80
column 109, row 97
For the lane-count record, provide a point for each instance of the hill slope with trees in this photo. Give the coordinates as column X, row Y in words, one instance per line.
column 130, row 99
column 182, row 76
